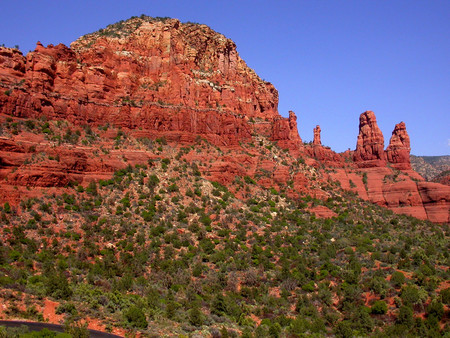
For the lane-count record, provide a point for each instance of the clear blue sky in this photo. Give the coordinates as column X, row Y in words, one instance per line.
column 329, row 60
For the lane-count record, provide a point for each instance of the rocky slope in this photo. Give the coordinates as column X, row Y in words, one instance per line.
column 431, row 167
column 394, row 185
column 181, row 83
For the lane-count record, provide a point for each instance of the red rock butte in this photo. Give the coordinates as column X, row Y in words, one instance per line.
column 162, row 76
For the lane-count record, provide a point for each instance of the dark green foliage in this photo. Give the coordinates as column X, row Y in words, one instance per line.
column 411, row 295
column 249, row 180
column 379, row 308
column 135, row 317
column 195, row 316
column 7, row 208
column 405, row 316
column 76, row 330
column 397, row 278
column 44, row 333
column 57, row 286
column 92, row 188
column 445, row 296
column 435, row 309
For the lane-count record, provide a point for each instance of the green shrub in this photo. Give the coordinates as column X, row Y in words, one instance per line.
column 405, row 316
column 379, row 308
column 195, row 316
column 397, row 278
column 7, row 208
column 136, row 318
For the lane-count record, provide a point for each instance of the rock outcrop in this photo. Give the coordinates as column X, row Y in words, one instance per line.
column 403, row 192
column 370, row 145
column 285, row 132
column 316, row 140
column 398, row 151
column 163, row 76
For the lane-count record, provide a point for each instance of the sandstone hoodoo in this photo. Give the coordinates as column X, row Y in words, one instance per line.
column 370, row 145
column 398, row 151
column 316, row 140
column 321, row 153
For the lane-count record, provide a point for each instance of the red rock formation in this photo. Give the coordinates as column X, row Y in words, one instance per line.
column 165, row 77
column 325, row 156
column 281, row 175
column 370, row 145
column 285, row 132
column 436, row 201
column 397, row 152
column 180, row 81
column 322, row 154
column 322, row 211
column 403, row 192
column 316, row 140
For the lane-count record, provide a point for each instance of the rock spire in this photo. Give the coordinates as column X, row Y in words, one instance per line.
column 317, row 136
column 399, row 148
column 370, row 145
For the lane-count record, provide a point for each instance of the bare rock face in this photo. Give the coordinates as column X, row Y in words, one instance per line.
column 398, row 151
column 316, row 140
column 436, row 201
column 285, row 132
column 370, row 145
column 176, row 80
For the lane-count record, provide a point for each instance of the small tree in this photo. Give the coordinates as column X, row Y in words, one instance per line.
column 196, row 316
column 7, row 208
column 405, row 316
column 397, row 278
column 76, row 330
column 136, row 318
column 379, row 308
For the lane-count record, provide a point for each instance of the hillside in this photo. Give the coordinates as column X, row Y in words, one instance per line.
column 149, row 185
column 432, row 168
column 156, row 241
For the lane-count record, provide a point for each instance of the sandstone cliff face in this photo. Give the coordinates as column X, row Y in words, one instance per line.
column 370, row 145
column 398, row 151
column 404, row 192
column 166, row 77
